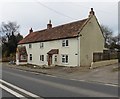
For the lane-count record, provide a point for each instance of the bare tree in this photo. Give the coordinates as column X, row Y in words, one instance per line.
column 10, row 37
column 8, row 29
column 107, row 34
column 118, row 39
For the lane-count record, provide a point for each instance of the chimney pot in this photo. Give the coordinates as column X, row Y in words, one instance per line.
column 91, row 9
column 49, row 25
column 91, row 13
column 31, row 30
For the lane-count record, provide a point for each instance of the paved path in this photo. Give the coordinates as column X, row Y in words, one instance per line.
column 102, row 75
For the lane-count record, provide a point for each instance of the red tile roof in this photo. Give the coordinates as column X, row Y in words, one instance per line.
column 69, row 30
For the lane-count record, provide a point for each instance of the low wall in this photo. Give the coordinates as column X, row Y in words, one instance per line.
column 103, row 63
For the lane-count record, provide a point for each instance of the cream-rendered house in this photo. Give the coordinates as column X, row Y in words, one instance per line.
column 71, row 44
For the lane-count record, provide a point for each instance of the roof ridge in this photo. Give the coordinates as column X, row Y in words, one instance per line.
column 70, row 22
column 68, row 30
column 61, row 25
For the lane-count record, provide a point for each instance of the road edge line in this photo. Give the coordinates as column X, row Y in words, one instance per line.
column 20, row 89
column 11, row 91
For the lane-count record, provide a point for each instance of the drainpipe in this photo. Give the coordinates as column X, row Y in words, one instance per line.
column 79, row 48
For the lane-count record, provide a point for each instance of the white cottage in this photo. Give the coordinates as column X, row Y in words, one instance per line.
column 71, row 44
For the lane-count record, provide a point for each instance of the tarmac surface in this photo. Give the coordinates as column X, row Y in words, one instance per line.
column 105, row 74
column 31, row 84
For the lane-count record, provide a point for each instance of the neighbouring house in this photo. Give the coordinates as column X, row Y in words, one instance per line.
column 71, row 44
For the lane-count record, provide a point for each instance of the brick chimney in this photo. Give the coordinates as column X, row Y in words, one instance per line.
column 91, row 13
column 49, row 25
column 31, row 30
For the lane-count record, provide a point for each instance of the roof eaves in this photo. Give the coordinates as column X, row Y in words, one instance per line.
column 49, row 40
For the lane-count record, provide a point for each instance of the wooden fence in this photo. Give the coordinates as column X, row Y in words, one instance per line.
column 106, row 55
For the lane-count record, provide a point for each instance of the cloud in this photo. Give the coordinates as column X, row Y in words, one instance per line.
column 36, row 15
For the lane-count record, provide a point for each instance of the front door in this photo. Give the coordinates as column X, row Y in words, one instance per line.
column 49, row 60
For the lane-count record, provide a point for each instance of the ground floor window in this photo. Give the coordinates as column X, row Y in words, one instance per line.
column 41, row 57
column 55, row 58
column 30, row 56
column 64, row 58
column 23, row 57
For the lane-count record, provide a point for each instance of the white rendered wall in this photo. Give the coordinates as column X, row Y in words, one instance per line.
column 36, row 51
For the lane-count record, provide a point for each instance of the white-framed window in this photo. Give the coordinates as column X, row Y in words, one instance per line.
column 65, row 43
column 30, row 57
column 55, row 58
column 23, row 57
column 41, row 45
column 30, row 45
column 42, row 58
column 64, row 58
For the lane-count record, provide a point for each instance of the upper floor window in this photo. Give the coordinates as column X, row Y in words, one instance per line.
column 41, row 45
column 30, row 45
column 41, row 57
column 65, row 43
column 64, row 58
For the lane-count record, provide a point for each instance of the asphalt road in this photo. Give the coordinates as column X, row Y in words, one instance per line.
column 6, row 94
column 48, row 86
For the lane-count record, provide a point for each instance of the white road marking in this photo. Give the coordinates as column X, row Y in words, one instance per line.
column 36, row 73
column 51, row 76
column 22, row 70
column 77, row 80
column 22, row 90
column 81, row 80
column 111, row 85
column 65, row 87
column 11, row 91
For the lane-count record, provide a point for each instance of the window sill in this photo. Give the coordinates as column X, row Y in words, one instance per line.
column 65, row 63
column 42, row 61
column 41, row 48
column 65, row 46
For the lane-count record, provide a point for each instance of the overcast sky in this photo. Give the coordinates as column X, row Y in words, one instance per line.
column 36, row 13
